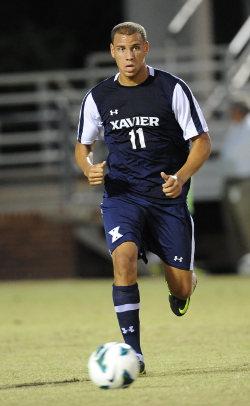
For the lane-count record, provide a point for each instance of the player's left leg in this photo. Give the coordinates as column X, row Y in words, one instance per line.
column 170, row 235
column 181, row 284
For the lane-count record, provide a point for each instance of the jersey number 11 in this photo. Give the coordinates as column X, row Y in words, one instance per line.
column 141, row 138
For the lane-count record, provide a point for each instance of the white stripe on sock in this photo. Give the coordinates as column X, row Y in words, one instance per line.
column 127, row 307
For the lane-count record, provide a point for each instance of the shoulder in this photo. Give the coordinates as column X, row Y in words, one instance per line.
column 162, row 75
column 103, row 86
column 96, row 92
column 171, row 79
column 165, row 81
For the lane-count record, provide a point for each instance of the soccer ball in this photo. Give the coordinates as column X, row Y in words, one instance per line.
column 113, row 365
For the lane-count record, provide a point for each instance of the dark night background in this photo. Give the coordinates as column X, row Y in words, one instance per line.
column 56, row 34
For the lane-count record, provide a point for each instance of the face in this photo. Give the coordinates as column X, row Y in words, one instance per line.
column 236, row 115
column 129, row 52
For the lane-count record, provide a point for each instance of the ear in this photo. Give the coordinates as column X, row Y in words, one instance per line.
column 146, row 48
column 112, row 50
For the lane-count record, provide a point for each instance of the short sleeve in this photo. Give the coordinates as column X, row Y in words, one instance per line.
column 90, row 126
column 187, row 111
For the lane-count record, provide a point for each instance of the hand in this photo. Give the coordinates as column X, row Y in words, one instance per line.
column 96, row 173
column 172, row 187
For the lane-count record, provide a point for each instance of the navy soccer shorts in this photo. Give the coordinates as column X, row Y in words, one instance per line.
column 165, row 230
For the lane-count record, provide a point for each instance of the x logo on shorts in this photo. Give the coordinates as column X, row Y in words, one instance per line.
column 115, row 234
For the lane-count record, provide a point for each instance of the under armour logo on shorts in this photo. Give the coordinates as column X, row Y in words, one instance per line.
column 178, row 259
column 115, row 234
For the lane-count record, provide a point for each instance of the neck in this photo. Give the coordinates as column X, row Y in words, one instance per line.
column 141, row 76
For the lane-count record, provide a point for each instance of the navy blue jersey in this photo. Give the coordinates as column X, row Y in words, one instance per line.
column 147, row 129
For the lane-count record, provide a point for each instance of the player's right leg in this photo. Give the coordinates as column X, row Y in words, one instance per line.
column 123, row 222
column 125, row 258
column 126, row 296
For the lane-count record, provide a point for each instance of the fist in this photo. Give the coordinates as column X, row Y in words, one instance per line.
column 172, row 186
column 96, row 174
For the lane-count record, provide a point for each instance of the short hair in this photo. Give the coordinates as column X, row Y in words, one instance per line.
column 240, row 104
column 129, row 28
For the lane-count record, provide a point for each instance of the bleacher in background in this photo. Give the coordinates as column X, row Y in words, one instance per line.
column 39, row 117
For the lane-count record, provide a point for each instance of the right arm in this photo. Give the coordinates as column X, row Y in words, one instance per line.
column 94, row 173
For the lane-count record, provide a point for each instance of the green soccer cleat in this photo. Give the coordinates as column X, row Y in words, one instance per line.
column 178, row 306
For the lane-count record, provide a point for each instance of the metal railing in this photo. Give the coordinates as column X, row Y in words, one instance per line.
column 39, row 111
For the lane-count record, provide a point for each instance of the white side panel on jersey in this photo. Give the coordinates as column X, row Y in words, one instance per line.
column 182, row 112
column 92, row 125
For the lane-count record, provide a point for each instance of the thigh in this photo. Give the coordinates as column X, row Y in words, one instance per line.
column 123, row 221
column 170, row 235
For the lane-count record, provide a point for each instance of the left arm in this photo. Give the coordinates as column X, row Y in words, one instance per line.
column 199, row 153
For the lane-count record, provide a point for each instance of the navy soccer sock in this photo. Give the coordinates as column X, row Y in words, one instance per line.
column 127, row 303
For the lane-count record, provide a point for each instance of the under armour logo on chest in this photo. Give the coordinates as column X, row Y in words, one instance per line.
column 113, row 112
column 115, row 234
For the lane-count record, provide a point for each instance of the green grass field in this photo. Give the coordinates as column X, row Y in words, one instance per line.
column 49, row 329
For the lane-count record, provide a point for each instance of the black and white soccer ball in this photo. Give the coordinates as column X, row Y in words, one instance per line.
column 113, row 365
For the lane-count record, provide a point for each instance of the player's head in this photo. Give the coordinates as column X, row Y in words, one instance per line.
column 129, row 47
column 129, row 28
column 239, row 108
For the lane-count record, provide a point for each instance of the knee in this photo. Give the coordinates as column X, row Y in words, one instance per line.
column 125, row 268
column 124, row 262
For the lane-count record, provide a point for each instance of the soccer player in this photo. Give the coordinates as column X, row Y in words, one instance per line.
column 147, row 117
column 235, row 166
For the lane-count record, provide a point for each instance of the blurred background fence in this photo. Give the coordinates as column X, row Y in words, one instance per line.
column 39, row 178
